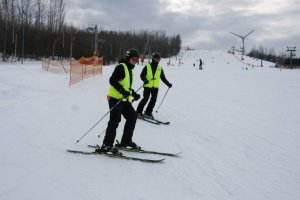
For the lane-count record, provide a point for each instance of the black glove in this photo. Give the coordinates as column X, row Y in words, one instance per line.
column 136, row 96
column 169, row 85
column 146, row 81
column 125, row 93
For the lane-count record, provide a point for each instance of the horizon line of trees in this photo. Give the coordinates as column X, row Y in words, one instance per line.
column 37, row 29
column 113, row 44
column 270, row 55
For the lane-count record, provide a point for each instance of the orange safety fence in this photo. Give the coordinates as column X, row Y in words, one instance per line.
column 78, row 69
column 60, row 67
column 85, row 68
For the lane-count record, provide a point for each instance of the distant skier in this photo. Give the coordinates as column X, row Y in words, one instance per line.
column 151, row 75
column 120, row 96
column 200, row 64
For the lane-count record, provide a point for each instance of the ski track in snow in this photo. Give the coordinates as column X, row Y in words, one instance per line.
column 237, row 129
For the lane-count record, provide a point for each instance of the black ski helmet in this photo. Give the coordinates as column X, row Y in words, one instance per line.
column 130, row 53
column 156, row 55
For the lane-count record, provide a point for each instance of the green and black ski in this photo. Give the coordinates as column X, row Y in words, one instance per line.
column 120, row 156
column 152, row 120
column 142, row 151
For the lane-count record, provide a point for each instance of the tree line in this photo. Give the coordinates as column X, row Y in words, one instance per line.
column 270, row 55
column 37, row 29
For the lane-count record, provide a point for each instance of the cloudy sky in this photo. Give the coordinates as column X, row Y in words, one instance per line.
column 202, row 24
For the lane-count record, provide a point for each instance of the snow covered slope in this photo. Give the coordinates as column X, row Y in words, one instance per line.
column 238, row 130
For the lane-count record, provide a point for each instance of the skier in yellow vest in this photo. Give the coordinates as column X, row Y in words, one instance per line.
column 120, row 96
column 151, row 75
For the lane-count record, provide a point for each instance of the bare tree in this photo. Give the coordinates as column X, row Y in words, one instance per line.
column 25, row 16
column 40, row 15
column 56, row 17
column 36, row 28
column 5, row 11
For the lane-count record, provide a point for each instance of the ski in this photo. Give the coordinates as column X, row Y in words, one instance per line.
column 120, row 156
column 153, row 121
column 142, row 151
column 149, row 120
column 161, row 122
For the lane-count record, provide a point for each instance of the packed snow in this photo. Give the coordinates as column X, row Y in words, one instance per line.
column 237, row 127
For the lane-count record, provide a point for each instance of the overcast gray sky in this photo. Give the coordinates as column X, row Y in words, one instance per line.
column 202, row 24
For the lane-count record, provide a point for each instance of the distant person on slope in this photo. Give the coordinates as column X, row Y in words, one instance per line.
column 151, row 75
column 200, row 64
column 120, row 96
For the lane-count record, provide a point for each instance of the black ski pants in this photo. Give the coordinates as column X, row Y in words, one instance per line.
column 128, row 112
column 143, row 102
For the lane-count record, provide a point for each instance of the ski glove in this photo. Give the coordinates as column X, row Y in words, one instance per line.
column 146, row 81
column 169, row 85
column 125, row 93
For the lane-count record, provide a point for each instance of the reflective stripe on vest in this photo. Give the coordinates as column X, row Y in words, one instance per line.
column 153, row 80
column 125, row 82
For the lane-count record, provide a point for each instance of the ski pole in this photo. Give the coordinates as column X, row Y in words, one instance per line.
column 143, row 85
column 102, row 133
column 98, row 122
column 162, row 100
column 106, row 128
column 102, row 119
column 139, row 88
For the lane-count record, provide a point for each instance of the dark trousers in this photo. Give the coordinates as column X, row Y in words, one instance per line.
column 146, row 95
column 128, row 112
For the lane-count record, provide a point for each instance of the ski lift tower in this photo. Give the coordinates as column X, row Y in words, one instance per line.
column 291, row 50
column 94, row 30
column 243, row 41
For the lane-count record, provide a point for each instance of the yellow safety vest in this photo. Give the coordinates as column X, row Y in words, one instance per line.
column 112, row 92
column 153, row 80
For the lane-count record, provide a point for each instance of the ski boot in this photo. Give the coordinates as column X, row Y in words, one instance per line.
column 129, row 145
column 148, row 115
column 108, row 150
column 140, row 115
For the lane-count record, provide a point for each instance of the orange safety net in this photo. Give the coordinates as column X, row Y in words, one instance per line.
column 84, row 68
column 60, row 67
